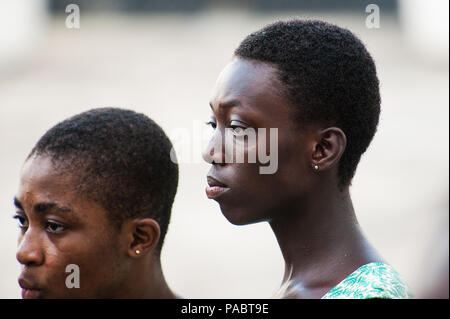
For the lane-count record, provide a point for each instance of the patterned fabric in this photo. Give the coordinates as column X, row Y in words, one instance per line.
column 374, row 280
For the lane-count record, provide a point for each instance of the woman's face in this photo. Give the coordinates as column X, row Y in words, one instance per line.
column 247, row 95
column 58, row 228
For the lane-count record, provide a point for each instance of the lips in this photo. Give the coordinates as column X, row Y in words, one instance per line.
column 215, row 188
column 29, row 289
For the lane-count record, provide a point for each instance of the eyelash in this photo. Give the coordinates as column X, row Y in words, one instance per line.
column 212, row 124
column 234, row 127
column 21, row 221
column 48, row 224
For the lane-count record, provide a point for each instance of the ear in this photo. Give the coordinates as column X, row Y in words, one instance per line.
column 143, row 236
column 329, row 147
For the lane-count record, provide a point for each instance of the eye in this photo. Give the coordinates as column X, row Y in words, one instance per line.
column 54, row 228
column 237, row 130
column 23, row 222
column 212, row 124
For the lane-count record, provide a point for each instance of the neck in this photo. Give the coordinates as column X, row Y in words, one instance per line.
column 147, row 281
column 321, row 241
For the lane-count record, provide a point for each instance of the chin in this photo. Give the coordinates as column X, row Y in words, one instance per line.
column 240, row 216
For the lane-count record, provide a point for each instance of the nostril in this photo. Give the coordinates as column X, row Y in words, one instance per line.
column 218, row 163
column 208, row 157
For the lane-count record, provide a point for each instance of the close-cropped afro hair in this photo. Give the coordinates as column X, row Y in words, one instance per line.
column 119, row 159
column 327, row 73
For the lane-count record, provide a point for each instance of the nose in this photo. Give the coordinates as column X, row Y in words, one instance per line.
column 214, row 151
column 30, row 251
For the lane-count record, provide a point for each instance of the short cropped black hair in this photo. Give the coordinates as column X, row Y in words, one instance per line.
column 327, row 73
column 121, row 160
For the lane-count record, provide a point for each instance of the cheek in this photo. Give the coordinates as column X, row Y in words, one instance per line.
column 290, row 180
column 257, row 196
column 94, row 256
column 293, row 163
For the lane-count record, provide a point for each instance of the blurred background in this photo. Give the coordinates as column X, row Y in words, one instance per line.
column 163, row 57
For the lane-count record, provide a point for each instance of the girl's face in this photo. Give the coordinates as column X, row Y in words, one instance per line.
column 248, row 95
column 59, row 229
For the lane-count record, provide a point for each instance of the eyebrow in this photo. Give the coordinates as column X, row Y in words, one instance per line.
column 45, row 207
column 231, row 103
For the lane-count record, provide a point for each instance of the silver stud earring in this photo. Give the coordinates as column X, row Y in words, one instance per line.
column 316, row 167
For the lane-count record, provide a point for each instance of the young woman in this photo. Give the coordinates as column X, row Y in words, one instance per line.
column 93, row 207
column 317, row 85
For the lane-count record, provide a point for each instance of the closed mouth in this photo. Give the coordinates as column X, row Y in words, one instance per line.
column 29, row 290
column 214, row 182
column 215, row 188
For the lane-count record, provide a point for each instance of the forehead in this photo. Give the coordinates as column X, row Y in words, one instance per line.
column 42, row 180
column 40, row 177
column 244, row 79
column 257, row 91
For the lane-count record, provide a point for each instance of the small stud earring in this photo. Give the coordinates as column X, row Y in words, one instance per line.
column 316, row 167
column 138, row 251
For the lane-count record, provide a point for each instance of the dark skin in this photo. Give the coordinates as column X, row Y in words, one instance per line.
column 59, row 227
column 312, row 218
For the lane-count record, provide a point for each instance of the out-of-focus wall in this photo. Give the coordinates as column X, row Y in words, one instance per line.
column 425, row 28
column 22, row 26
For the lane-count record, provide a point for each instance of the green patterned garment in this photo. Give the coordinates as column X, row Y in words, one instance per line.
column 374, row 280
